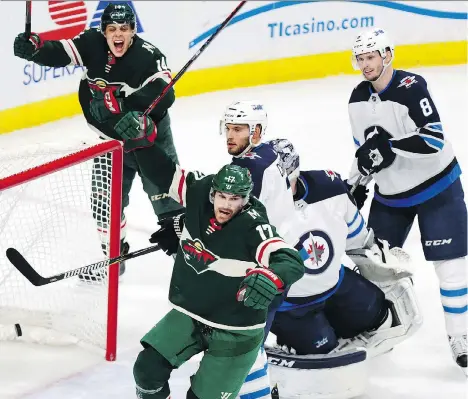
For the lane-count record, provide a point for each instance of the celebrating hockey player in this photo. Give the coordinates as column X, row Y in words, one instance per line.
column 124, row 74
column 401, row 144
column 230, row 265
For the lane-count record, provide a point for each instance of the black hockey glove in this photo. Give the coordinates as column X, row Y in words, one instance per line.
column 168, row 236
column 136, row 130
column 359, row 194
column 106, row 104
column 376, row 152
column 26, row 48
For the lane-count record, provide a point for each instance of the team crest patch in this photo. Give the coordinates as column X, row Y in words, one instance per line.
column 330, row 174
column 316, row 250
column 196, row 255
column 251, row 155
column 408, row 81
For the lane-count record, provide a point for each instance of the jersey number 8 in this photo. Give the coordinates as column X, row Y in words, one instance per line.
column 425, row 107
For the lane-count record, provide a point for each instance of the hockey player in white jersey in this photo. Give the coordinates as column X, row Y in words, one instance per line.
column 244, row 125
column 402, row 146
column 333, row 308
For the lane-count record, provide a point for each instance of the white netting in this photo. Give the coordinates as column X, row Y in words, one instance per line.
column 56, row 222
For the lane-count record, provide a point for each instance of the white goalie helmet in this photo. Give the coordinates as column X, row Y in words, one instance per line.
column 288, row 157
column 372, row 40
column 250, row 113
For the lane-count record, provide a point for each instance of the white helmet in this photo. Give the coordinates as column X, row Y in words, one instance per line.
column 250, row 113
column 372, row 40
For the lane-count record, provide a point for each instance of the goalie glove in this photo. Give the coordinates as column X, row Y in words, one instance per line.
column 377, row 262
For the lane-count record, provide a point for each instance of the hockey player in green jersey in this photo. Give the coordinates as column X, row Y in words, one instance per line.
column 124, row 74
column 230, row 265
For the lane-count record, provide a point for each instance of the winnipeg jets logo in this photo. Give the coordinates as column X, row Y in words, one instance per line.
column 251, row 155
column 408, row 81
column 330, row 174
column 316, row 250
column 376, row 157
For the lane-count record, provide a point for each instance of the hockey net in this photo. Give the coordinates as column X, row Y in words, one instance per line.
column 60, row 206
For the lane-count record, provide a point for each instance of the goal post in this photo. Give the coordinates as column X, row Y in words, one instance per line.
column 60, row 205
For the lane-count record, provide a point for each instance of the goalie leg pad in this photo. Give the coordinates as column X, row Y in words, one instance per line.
column 151, row 372
column 406, row 320
column 331, row 376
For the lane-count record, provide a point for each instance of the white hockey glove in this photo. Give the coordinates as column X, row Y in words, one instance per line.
column 377, row 262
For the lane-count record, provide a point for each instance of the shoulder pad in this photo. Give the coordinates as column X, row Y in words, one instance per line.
column 321, row 185
column 257, row 161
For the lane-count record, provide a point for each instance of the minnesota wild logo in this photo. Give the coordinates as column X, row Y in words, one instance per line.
column 196, row 255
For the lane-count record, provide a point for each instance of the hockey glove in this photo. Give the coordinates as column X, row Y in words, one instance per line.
column 376, row 152
column 106, row 104
column 168, row 236
column 359, row 194
column 26, row 48
column 137, row 131
column 378, row 263
column 259, row 288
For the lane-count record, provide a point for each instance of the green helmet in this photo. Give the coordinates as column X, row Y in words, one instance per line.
column 118, row 13
column 233, row 179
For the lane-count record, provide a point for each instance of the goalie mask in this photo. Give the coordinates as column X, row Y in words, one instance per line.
column 288, row 157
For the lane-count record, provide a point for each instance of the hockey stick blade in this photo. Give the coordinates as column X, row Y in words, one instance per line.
column 25, row 268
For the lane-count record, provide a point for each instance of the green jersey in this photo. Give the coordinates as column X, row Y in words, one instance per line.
column 212, row 259
column 138, row 76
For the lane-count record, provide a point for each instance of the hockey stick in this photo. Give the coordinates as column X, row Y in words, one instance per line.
column 192, row 60
column 25, row 268
column 27, row 24
column 359, row 180
column 355, row 185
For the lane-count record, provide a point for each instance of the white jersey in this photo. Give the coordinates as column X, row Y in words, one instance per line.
column 326, row 224
column 271, row 185
column 425, row 164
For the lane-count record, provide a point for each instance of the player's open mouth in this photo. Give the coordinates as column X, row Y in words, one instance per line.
column 225, row 212
column 119, row 44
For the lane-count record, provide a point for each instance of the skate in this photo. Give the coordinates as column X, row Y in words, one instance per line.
column 459, row 349
column 99, row 275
